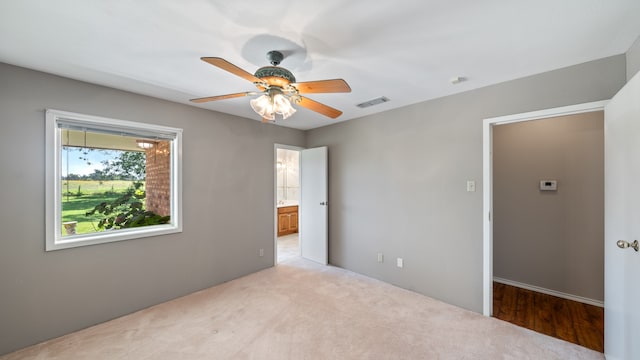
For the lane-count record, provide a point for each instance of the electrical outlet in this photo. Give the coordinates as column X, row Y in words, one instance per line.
column 261, row 252
column 380, row 257
column 400, row 262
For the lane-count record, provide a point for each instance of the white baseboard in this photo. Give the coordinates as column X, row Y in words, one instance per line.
column 559, row 294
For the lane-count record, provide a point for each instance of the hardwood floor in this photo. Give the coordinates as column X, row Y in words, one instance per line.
column 568, row 320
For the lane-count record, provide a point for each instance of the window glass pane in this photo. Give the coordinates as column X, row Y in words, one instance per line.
column 111, row 182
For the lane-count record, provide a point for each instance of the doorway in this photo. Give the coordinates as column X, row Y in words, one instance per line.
column 313, row 203
column 544, row 190
column 287, row 201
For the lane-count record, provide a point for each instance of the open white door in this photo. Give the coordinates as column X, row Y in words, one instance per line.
column 314, row 201
column 622, row 222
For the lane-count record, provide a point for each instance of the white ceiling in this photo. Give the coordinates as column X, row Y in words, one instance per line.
column 406, row 50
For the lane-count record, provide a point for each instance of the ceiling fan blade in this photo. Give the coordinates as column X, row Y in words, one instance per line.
column 225, row 65
column 319, row 107
column 323, row 86
column 222, row 97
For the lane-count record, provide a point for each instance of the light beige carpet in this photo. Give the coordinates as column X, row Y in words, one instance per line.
column 301, row 310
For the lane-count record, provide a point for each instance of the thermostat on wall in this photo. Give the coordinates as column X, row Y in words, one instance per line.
column 548, row 185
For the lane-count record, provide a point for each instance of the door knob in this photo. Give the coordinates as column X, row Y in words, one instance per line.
column 324, row 203
column 622, row 244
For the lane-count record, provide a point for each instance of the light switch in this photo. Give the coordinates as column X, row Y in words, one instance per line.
column 471, row 186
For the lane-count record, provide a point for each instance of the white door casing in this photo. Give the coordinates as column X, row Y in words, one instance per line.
column 622, row 222
column 314, row 214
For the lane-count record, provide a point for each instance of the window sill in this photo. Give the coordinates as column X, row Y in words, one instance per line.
column 108, row 236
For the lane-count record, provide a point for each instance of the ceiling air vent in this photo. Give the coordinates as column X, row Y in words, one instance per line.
column 376, row 101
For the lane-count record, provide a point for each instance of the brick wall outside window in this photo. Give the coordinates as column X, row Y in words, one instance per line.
column 158, row 179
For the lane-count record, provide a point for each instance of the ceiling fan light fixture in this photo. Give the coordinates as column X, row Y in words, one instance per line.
column 282, row 106
column 263, row 106
column 274, row 102
column 288, row 113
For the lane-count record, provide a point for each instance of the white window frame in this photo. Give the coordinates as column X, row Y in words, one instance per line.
column 53, row 203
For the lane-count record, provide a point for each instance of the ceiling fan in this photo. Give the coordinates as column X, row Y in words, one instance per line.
column 279, row 89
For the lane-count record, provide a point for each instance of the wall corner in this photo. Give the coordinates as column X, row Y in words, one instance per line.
column 633, row 59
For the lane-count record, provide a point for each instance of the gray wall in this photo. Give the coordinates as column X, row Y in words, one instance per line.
column 550, row 239
column 228, row 211
column 633, row 59
column 397, row 180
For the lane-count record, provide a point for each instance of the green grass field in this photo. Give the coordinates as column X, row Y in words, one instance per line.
column 92, row 186
column 74, row 207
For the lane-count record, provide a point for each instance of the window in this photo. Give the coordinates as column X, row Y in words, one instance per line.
column 110, row 180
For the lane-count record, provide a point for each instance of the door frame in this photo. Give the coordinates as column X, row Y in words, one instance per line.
column 275, row 194
column 487, row 183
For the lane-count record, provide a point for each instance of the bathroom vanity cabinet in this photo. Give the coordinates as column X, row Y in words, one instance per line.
column 287, row 220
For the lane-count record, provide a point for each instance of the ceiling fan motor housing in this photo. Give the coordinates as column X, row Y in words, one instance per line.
column 275, row 76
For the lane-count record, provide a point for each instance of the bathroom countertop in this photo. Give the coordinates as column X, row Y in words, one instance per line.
column 287, row 203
